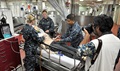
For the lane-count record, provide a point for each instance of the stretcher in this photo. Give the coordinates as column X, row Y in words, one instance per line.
column 54, row 61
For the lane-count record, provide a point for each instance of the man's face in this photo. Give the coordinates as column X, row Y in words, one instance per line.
column 70, row 22
column 44, row 14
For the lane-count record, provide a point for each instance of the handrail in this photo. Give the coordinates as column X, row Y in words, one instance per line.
column 73, row 53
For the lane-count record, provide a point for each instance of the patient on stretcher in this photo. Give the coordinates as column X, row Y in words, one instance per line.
column 56, row 46
column 66, row 60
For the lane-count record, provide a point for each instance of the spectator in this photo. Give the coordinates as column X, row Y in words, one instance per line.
column 102, row 25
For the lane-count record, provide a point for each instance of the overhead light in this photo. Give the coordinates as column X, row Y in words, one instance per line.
column 99, row 0
column 81, row 0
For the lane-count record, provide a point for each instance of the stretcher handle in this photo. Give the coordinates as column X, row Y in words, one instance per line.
column 73, row 53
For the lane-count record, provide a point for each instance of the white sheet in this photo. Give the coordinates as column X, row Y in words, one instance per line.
column 65, row 61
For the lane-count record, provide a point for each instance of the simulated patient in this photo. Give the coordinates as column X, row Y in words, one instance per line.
column 55, row 46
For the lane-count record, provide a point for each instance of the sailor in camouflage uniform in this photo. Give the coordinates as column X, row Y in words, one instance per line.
column 32, row 42
column 46, row 24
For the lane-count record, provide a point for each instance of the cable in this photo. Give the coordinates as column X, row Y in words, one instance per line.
column 41, row 56
column 1, row 45
column 13, row 49
column 12, row 46
column 14, row 69
column 40, row 60
column 11, row 41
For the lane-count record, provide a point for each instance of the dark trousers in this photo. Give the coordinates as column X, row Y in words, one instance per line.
column 66, row 50
column 30, row 60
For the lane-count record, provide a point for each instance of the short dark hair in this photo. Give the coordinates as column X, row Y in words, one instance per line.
column 71, row 17
column 44, row 11
column 104, row 22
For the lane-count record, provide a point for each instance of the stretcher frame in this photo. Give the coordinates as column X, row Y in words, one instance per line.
column 54, row 66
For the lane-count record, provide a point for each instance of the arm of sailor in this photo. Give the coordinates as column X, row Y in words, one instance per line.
column 70, row 36
column 35, row 36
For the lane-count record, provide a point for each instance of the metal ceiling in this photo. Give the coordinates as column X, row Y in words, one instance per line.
column 85, row 2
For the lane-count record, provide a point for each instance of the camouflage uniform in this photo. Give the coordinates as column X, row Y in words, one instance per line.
column 32, row 42
column 73, row 35
column 47, row 24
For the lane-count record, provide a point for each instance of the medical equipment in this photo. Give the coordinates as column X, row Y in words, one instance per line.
column 56, row 62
